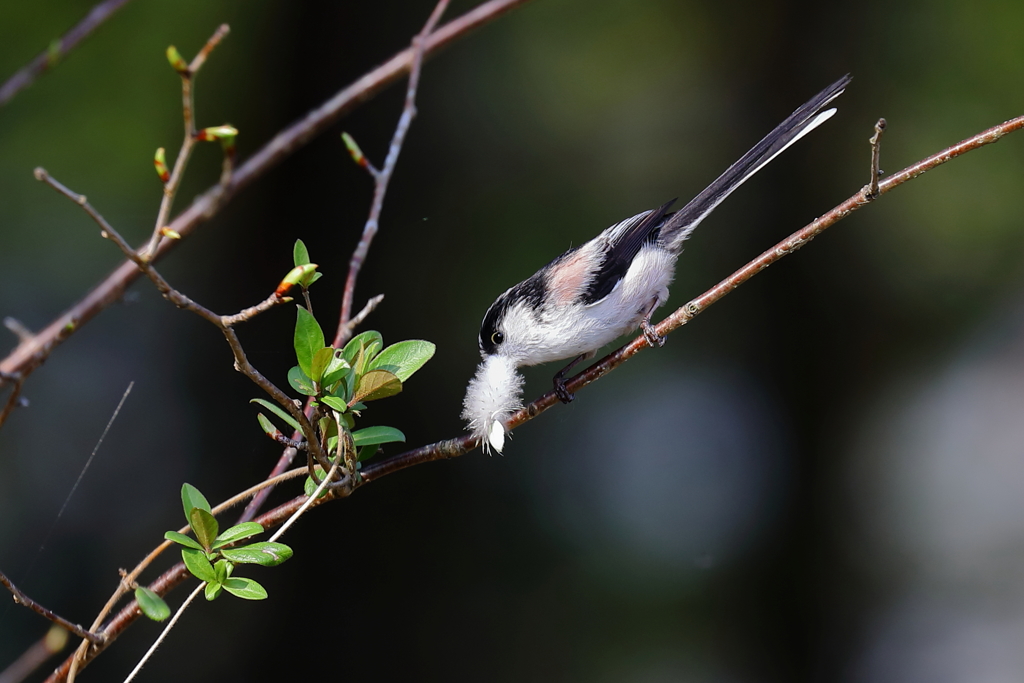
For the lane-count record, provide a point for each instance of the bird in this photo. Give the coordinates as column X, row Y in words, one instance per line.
column 602, row 289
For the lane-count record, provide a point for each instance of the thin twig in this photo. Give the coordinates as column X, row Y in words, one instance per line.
column 382, row 178
column 181, row 301
column 58, row 49
column 369, row 308
column 12, row 402
column 165, row 631
column 30, row 354
column 870, row 190
column 23, row 599
column 188, row 107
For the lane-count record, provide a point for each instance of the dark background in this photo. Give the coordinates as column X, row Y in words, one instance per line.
column 820, row 479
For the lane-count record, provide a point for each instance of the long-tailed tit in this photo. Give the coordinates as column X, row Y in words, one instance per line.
column 600, row 290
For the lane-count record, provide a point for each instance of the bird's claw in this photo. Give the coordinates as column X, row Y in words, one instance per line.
column 650, row 334
column 561, row 392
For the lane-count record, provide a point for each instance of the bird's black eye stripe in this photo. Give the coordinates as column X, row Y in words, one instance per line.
column 497, row 338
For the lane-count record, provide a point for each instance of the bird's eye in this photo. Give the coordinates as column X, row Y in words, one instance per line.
column 497, row 338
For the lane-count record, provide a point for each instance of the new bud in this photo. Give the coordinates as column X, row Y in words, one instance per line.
column 177, row 63
column 160, row 162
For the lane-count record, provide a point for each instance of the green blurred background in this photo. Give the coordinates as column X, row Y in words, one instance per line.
column 820, row 479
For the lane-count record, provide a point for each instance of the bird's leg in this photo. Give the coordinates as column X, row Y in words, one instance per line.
column 559, row 381
column 650, row 334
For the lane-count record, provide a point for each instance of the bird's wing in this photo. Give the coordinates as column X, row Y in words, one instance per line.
column 624, row 241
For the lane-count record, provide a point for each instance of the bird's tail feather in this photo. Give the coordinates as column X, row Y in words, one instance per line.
column 805, row 119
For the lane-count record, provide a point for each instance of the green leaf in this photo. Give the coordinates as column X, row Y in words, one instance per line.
column 309, row 487
column 404, row 358
column 213, row 591
column 246, row 589
column 301, row 382
column 223, row 570
column 377, row 435
column 362, row 348
column 200, row 567
column 300, row 254
column 263, row 553
column 335, row 402
column 321, row 359
column 151, row 604
column 267, row 426
column 336, row 369
column 204, row 526
column 278, row 410
column 375, row 385
column 367, row 452
column 309, row 339
column 316, row 276
column 184, row 540
column 191, row 498
column 237, row 533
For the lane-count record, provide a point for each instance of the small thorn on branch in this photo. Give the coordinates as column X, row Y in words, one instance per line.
column 18, row 328
column 870, row 190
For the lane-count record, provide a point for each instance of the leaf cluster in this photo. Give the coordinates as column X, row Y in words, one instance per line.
column 212, row 555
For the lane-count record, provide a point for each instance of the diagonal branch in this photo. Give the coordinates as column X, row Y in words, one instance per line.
column 58, row 49
column 23, row 599
column 31, row 353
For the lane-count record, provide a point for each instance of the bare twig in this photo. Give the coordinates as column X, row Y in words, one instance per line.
column 369, row 308
column 58, row 49
column 870, row 190
column 181, row 301
column 31, row 353
column 452, row 448
column 382, row 178
column 23, row 599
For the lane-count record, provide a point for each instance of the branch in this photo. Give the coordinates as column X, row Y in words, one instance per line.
column 223, row 323
column 460, row 445
column 452, row 448
column 23, row 599
column 382, row 178
column 58, row 49
column 31, row 353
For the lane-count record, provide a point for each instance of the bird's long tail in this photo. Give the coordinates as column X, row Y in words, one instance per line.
column 801, row 122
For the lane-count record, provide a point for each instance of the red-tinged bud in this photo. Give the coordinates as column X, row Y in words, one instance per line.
column 295, row 276
column 353, row 149
column 217, row 133
column 177, row 63
column 170, row 234
column 160, row 162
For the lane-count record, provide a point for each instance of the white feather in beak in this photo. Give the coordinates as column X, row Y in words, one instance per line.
column 493, row 395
